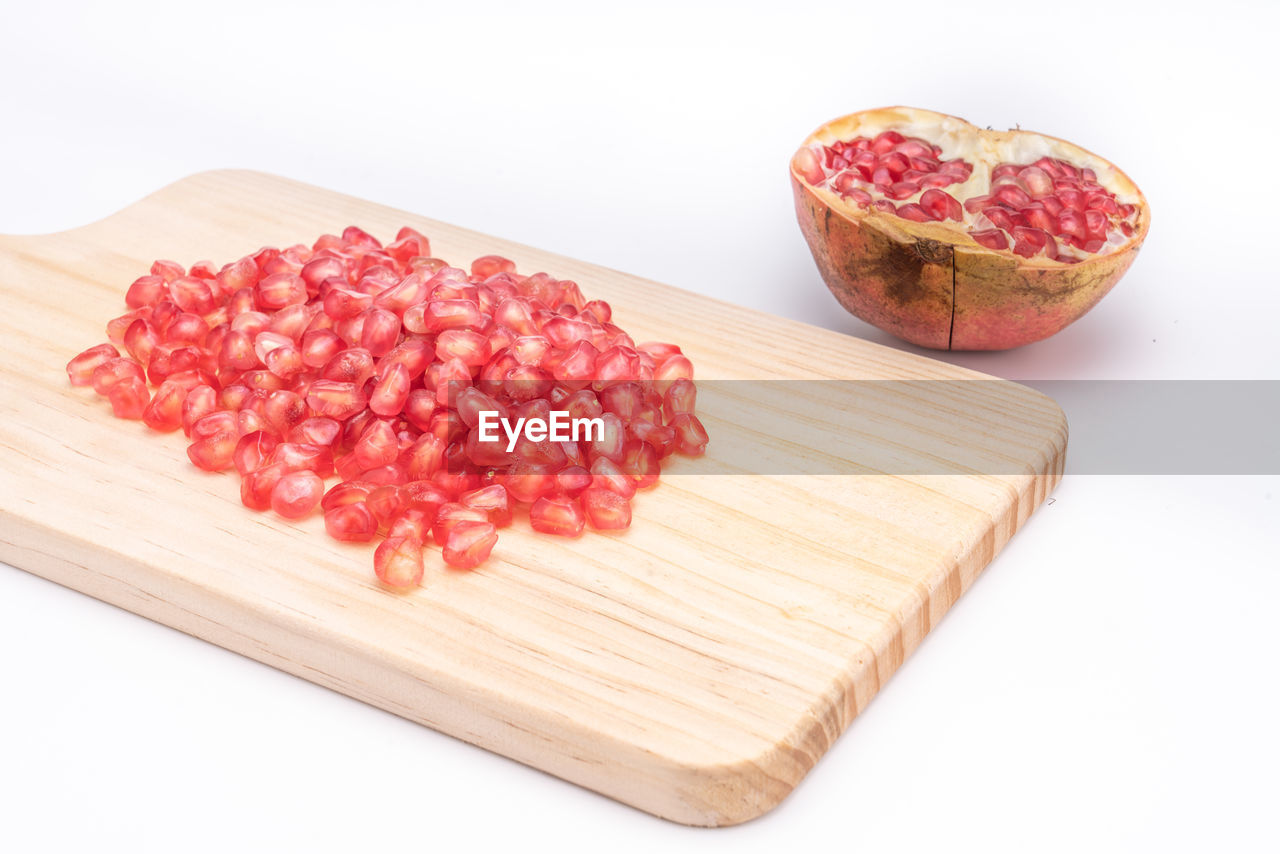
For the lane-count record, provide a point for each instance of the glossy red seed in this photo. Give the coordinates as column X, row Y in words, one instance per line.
column 80, row 369
column 351, row 523
column 469, row 544
column 129, row 397
column 489, row 265
column 999, row 217
column 915, row 213
column 941, row 205
column 337, row 400
column 492, row 500
column 276, row 291
column 691, row 436
column 253, row 450
column 452, row 514
column 296, row 494
column 214, row 452
column 606, row 510
column 992, row 238
column 398, row 562
column 391, row 392
column 561, row 516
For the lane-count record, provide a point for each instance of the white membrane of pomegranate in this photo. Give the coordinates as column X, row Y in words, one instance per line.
column 984, row 151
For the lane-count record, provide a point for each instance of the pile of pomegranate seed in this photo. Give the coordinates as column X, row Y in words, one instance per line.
column 1042, row 203
column 1037, row 208
column 375, row 363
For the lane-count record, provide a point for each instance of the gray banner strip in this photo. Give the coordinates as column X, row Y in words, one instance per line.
column 927, row 427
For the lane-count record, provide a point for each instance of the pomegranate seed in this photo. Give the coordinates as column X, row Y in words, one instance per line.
column 1041, row 219
column 392, row 391
column 257, row 486
column 1095, row 223
column 377, row 446
column 1013, row 196
column 398, row 562
column 253, row 450
column 560, row 516
column 1028, row 241
column 351, row 523
column 492, row 500
column 999, row 217
column 691, row 436
column 941, row 205
column 992, row 238
column 902, row 190
column 380, row 331
column 1035, row 181
column 886, row 141
column 606, row 510
column 129, row 397
column 146, row 291
column 164, row 411
column 80, row 369
column 279, row 290
column 337, row 400
column 112, row 371
column 915, row 213
column 167, row 270
column 450, row 515
column 469, row 544
column 296, row 494
column 215, row 452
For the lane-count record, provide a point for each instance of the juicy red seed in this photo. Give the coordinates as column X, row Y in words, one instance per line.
column 450, row 515
column 1035, row 181
column 389, row 395
column 492, row 500
column 351, row 523
column 215, row 452
column 606, row 510
column 941, row 205
column 902, row 190
column 915, row 213
column 691, row 436
column 560, row 516
column 253, row 450
column 336, row 400
column 1013, row 196
column 398, row 562
column 296, row 494
column 1029, row 241
column 129, row 397
column 992, row 238
column 1041, row 219
column 279, row 290
column 1000, row 217
column 80, row 369
column 469, row 544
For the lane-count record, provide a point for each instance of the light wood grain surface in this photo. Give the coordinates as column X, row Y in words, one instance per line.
column 695, row 666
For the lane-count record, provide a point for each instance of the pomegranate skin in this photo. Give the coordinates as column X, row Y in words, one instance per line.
column 930, row 283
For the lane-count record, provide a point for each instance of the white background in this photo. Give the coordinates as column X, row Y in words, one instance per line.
column 1109, row 684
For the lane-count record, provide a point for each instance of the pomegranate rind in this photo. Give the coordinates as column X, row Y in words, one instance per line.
column 930, row 283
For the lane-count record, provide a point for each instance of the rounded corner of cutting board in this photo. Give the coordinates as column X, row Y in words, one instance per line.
column 728, row 791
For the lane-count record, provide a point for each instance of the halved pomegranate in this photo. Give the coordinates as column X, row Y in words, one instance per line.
column 959, row 238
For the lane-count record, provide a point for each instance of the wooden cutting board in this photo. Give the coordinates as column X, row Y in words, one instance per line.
column 695, row 666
